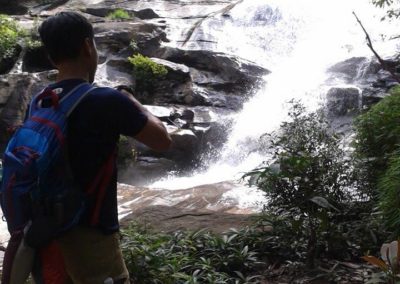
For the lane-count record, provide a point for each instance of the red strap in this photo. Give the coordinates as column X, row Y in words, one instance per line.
column 59, row 134
column 10, row 200
column 102, row 179
column 53, row 266
column 49, row 93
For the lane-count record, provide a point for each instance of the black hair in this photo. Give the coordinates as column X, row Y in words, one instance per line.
column 64, row 34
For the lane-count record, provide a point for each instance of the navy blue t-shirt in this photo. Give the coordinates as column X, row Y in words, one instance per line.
column 93, row 132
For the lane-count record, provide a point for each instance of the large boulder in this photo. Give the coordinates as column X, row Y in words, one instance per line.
column 219, row 71
column 102, row 10
column 176, row 72
column 116, row 37
column 7, row 63
column 356, row 69
column 145, row 170
column 343, row 101
column 371, row 96
column 16, row 91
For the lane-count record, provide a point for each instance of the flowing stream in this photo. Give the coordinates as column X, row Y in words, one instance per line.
column 297, row 40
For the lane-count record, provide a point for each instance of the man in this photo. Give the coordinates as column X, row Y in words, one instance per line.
column 90, row 252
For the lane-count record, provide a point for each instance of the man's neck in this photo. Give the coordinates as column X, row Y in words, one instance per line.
column 71, row 70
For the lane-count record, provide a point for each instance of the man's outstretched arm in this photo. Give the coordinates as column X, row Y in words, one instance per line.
column 153, row 134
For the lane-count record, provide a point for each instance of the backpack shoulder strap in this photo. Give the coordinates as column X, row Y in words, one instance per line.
column 68, row 102
column 71, row 100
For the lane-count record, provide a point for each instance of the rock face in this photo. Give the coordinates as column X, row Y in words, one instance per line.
column 202, row 207
column 366, row 73
column 15, row 93
column 6, row 64
column 343, row 101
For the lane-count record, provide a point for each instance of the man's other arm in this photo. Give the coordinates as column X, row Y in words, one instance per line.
column 153, row 134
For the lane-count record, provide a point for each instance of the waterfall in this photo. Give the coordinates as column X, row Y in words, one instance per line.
column 297, row 40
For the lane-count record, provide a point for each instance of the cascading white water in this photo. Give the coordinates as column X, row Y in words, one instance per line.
column 297, row 40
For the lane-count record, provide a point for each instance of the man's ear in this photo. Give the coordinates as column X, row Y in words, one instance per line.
column 87, row 47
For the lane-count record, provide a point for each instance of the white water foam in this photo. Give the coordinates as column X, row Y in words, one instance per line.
column 298, row 42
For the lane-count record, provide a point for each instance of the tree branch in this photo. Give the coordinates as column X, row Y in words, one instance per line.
column 198, row 23
column 383, row 62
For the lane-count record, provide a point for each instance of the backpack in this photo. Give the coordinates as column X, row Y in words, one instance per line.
column 38, row 195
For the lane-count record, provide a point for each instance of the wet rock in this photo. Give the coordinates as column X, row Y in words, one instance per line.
column 101, row 10
column 115, row 71
column 16, row 91
column 349, row 68
column 36, row 60
column 371, row 96
column 161, row 112
column 223, row 71
column 200, row 207
column 342, row 101
column 115, row 37
column 12, row 7
column 6, row 64
column 196, row 97
column 146, row 14
column 184, row 143
column 360, row 69
column 145, row 170
column 176, row 72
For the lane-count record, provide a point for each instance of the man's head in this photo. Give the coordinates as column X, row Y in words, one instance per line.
column 69, row 38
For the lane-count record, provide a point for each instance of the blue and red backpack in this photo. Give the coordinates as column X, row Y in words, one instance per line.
column 38, row 194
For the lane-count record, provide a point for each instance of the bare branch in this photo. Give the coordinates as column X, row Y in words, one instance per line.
column 198, row 23
column 383, row 62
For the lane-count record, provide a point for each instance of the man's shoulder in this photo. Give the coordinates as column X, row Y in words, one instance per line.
column 104, row 91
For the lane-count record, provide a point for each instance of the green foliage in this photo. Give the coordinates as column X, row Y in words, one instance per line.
column 389, row 195
column 12, row 35
column 147, row 72
column 190, row 257
column 119, row 14
column 133, row 45
column 9, row 36
column 377, row 138
column 32, row 38
column 308, row 175
column 391, row 6
column 126, row 151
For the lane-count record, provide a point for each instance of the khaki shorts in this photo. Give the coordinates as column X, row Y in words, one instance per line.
column 88, row 257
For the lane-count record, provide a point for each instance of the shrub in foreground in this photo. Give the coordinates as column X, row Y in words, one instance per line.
column 308, row 175
column 190, row 257
column 377, row 139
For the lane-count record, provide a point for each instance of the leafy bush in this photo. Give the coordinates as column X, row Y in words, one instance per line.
column 190, row 257
column 389, row 195
column 9, row 36
column 119, row 14
column 147, row 72
column 126, row 151
column 377, row 138
column 308, row 176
